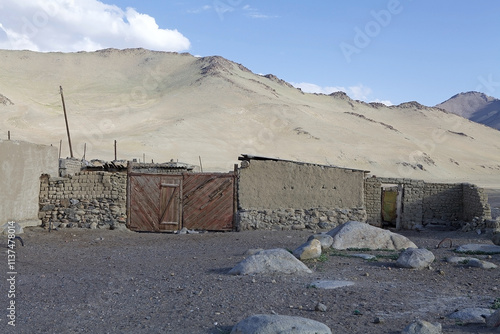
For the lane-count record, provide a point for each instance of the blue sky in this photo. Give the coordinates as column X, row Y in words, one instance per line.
column 391, row 50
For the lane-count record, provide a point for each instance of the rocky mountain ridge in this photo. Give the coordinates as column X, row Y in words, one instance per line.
column 164, row 106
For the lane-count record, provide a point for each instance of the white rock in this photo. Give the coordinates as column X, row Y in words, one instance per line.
column 422, row 327
column 328, row 285
column 479, row 248
column 471, row 315
column 270, row 261
column 11, row 226
column 274, row 324
column 415, row 258
column 355, row 234
column 326, row 240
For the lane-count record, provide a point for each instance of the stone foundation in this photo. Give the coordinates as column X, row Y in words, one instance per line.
column 293, row 219
column 86, row 199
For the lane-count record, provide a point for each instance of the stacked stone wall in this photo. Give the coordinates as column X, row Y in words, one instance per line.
column 475, row 204
column 297, row 219
column 86, row 199
column 425, row 203
column 443, row 202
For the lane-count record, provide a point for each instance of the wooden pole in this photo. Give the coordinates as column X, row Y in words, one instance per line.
column 66, row 120
column 115, row 150
column 201, row 166
column 84, row 150
column 60, row 148
column 8, row 134
column 144, row 157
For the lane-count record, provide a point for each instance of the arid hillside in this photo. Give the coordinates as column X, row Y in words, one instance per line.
column 176, row 106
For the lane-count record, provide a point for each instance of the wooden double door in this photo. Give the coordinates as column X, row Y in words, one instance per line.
column 169, row 202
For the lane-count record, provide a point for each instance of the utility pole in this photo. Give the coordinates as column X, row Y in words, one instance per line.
column 66, row 120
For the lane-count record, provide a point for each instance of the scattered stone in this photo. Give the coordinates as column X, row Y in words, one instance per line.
column 182, row 231
column 422, row 327
column 416, row 258
column 320, row 307
column 271, row 261
column 355, row 234
column 479, row 248
column 458, row 259
column 493, row 321
column 93, row 226
column 328, row 285
column 310, row 250
column 364, row 256
column 481, row 264
column 272, row 324
column 471, row 315
column 8, row 226
column 378, row 320
column 325, row 240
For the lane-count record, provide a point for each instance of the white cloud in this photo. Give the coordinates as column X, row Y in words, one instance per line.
column 359, row 92
column 84, row 25
column 199, row 9
column 255, row 14
column 313, row 88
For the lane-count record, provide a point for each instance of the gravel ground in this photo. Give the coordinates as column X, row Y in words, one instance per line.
column 101, row 281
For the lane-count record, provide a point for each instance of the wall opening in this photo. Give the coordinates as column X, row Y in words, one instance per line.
column 391, row 205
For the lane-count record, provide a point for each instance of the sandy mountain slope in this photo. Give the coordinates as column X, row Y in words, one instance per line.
column 176, row 106
column 476, row 106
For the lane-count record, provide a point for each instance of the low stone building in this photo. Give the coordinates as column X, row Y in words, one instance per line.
column 283, row 194
column 421, row 203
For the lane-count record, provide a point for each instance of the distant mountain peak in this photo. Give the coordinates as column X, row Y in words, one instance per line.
column 475, row 106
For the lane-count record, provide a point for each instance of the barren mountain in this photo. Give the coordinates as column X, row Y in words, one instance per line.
column 177, row 106
column 477, row 107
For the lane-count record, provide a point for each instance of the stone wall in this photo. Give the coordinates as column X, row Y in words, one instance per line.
column 413, row 190
column 426, row 203
column 443, row 202
column 475, row 203
column 297, row 219
column 21, row 164
column 86, row 199
column 277, row 194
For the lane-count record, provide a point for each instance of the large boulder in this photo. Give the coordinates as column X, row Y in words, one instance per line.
column 422, row 327
column 415, row 258
column 478, row 249
column 309, row 250
column 273, row 324
column 270, row 261
column 355, row 234
column 471, row 315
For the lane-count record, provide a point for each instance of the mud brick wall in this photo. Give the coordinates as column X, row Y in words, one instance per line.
column 290, row 195
column 475, row 203
column 86, row 199
column 69, row 166
column 443, row 202
column 297, row 219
